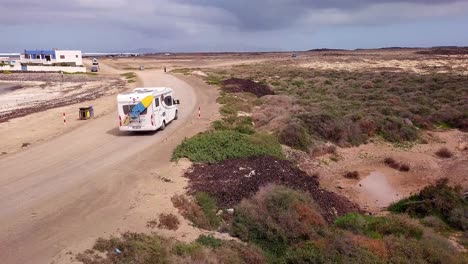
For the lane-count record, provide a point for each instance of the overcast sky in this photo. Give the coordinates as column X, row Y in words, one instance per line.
column 230, row 25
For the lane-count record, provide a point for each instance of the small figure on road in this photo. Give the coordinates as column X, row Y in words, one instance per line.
column 164, row 68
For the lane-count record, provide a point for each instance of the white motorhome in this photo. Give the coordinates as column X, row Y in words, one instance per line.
column 147, row 109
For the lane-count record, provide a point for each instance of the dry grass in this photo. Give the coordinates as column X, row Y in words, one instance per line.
column 404, row 167
column 352, row 175
column 152, row 223
column 190, row 210
column 392, row 163
column 444, row 153
column 168, row 221
column 199, row 212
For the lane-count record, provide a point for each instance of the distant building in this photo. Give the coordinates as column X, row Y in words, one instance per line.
column 9, row 64
column 52, row 57
column 52, row 61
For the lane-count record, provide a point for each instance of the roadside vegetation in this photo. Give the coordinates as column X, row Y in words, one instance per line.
column 349, row 107
column 233, row 136
column 215, row 146
column 283, row 225
column 440, row 200
column 129, row 76
column 141, row 248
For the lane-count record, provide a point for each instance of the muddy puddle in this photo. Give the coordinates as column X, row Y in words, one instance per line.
column 378, row 189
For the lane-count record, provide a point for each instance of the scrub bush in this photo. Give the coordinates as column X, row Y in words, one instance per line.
column 439, row 200
column 216, row 146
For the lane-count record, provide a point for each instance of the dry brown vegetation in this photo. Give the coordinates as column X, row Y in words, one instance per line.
column 392, row 163
column 444, row 153
column 352, row 175
column 192, row 211
column 144, row 249
column 237, row 85
column 168, row 221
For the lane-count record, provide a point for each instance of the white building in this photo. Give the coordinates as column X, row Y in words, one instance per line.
column 52, row 60
column 52, row 57
column 9, row 64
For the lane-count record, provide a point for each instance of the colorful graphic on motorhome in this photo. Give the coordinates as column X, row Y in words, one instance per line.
column 138, row 109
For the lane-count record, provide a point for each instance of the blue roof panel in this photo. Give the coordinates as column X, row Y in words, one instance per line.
column 43, row 52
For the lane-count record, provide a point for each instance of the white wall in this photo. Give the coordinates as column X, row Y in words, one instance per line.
column 68, row 56
column 16, row 67
column 55, row 69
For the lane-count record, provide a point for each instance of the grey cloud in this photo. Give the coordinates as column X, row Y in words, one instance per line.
column 271, row 14
column 207, row 22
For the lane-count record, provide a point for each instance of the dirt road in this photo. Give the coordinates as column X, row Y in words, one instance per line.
column 93, row 180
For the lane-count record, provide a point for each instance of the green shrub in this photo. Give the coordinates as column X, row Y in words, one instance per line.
column 191, row 211
column 220, row 145
column 339, row 130
column 142, row 249
column 435, row 223
column 275, row 218
column 128, row 75
column 378, row 227
column 209, row 241
column 295, row 136
column 309, row 253
column 209, row 208
column 184, row 249
column 428, row 250
column 184, row 71
column 214, row 79
column 394, row 130
column 145, row 248
column 439, row 200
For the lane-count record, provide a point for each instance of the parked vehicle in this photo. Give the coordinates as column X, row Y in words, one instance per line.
column 95, row 69
column 147, row 109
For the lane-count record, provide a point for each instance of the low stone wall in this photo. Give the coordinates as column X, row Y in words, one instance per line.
column 69, row 69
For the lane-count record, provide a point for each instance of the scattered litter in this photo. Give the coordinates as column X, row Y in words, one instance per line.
column 230, row 211
column 252, row 173
column 117, row 251
column 228, row 184
column 240, row 113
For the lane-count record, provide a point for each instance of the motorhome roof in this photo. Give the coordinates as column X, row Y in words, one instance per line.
column 143, row 92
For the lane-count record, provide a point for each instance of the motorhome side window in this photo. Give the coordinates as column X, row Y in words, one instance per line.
column 128, row 108
column 168, row 100
column 156, row 102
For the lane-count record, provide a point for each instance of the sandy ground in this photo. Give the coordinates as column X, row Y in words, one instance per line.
column 420, row 67
column 58, row 196
column 33, row 92
column 40, row 127
column 189, row 61
column 380, row 185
